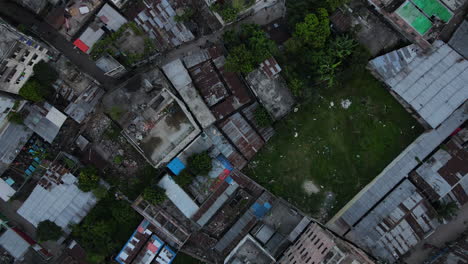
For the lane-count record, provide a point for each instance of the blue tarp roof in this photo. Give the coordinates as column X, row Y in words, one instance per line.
column 261, row 210
column 225, row 162
column 176, row 166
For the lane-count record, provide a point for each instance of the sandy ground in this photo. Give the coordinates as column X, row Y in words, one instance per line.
column 445, row 233
column 310, row 187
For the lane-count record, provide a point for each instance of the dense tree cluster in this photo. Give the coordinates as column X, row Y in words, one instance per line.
column 248, row 47
column 39, row 85
column 88, row 179
column 106, row 228
column 154, row 194
column 48, row 230
column 200, row 163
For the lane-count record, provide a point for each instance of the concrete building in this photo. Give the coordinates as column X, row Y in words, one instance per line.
column 18, row 55
column 318, row 245
column 110, row 66
column 153, row 119
column 460, row 38
column 271, row 89
column 431, row 86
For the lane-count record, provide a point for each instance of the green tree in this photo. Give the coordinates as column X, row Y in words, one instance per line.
column 48, row 230
column 262, row 118
column 342, row 46
column 184, row 178
column 240, row 59
column 315, row 29
column 100, row 192
column 200, row 163
column 16, row 117
column 445, row 211
column 118, row 159
column 44, row 73
column 154, row 194
column 32, row 90
column 226, row 11
column 123, row 213
column 88, row 179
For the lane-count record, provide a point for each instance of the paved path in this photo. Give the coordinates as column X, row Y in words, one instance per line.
column 444, row 233
column 19, row 14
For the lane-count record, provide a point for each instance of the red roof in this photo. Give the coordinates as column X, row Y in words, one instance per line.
column 80, row 44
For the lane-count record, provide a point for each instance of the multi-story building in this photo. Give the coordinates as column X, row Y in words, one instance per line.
column 18, row 55
column 318, row 245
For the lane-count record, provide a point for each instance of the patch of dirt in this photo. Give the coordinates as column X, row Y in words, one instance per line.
column 310, row 187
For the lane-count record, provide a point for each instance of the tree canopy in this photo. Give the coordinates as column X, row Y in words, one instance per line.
column 247, row 47
column 48, row 230
column 314, row 31
column 154, row 194
column 44, row 73
column 107, row 226
column 88, row 179
column 32, row 90
column 262, row 117
column 200, row 163
column 184, row 178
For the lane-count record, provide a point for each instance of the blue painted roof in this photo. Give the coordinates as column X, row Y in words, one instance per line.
column 225, row 162
column 228, row 180
column 176, row 166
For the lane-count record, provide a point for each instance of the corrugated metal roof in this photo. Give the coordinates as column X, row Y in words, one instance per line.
column 178, row 196
column 459, row 39
column 399, row 168
column 45, row 120
column 242, row 135
column 434, row 84
column 396, row 224
column 113, row 19
column 14, row 244
column 63, row 203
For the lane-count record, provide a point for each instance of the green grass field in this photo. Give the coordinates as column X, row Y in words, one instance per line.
column 339, row 149
column 414, row 17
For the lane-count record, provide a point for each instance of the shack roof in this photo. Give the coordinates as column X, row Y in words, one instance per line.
column 157, row 18
column 397, row 224
column 460, row 38
column 45, row 120
column 182, row 82
column 87, row 40
column 244, row 137
column 434, row 84
column 63, row 203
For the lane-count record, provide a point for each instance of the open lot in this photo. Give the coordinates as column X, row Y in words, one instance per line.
column 339, row 141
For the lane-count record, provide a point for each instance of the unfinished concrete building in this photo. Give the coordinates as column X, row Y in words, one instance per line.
column 18, row 55
column 271, row 89
column 153, row 119
column 420, row 21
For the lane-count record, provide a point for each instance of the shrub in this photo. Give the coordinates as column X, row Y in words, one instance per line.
column 154, row 194
column 184, row 178
column 48, row 230
column 200, row 164
column 118, row 159
column 88, row 179
column 16, row 117
column 32, row 90
column 262, row 117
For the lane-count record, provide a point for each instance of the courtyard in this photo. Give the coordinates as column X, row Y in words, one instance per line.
column 334, row 144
